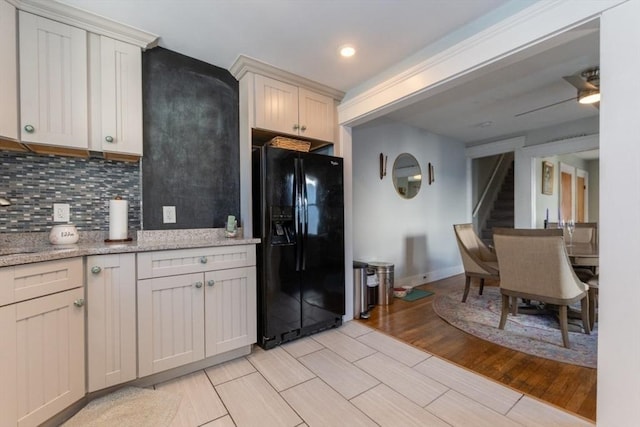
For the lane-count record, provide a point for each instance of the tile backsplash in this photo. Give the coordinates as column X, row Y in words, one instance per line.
column 33, row 183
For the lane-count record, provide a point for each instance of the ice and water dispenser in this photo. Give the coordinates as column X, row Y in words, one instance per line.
column 282, row 225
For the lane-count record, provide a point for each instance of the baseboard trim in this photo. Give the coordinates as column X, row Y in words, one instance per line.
column 431, row 276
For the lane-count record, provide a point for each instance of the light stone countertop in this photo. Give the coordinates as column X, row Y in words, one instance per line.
column 25, row 248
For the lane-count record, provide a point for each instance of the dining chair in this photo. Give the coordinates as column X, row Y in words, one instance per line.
column 594, row 289
column 584, row 232
column 477, row 259
column 534, row 265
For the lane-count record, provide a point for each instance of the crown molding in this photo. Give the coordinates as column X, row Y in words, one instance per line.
column 245, row 64
column 564, row 146
column 495, row 147
column 87, row 21
column 540, row 21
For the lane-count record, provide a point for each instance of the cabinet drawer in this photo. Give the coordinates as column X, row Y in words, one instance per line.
column 23, row 282
column 184, row 261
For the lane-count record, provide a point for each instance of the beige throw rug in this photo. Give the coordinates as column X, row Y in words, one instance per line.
column 128, row 407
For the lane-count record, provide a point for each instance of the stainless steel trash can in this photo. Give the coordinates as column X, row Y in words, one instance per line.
column 360, row 302
column 384, row 271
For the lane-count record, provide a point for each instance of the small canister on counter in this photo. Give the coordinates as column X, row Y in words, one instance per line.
column 63, row 234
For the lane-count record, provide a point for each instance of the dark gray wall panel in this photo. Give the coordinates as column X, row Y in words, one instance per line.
column 191, row 142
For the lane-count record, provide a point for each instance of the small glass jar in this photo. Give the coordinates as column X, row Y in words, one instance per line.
column 63, row 234
column 231, row 229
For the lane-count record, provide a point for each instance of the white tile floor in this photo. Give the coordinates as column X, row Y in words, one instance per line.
column 352, row 376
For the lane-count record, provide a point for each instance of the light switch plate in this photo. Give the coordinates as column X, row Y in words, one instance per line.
column 169, row 214
column 60, row 212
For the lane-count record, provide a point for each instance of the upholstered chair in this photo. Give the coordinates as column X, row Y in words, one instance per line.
column 477, row 259
column 594, row 289
column 534, row 265
column 584, row 232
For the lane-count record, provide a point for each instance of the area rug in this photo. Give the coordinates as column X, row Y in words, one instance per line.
column 128, row 407
column 416, row 294
column 538, row 335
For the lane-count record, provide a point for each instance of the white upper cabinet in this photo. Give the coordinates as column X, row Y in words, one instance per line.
column 116, row 96
column 53, row 83
column 8, row 72
column 80, row 81
column 294, row 110
column 317, row 115
column 276, row 105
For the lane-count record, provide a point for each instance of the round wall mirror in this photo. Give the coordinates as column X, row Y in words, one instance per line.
column 407, row 176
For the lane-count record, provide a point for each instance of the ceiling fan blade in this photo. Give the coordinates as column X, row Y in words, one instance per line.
column 580, row 83
column 573, row 98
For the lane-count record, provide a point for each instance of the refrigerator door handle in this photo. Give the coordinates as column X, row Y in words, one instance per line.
column 297, row 213
column 305, row 214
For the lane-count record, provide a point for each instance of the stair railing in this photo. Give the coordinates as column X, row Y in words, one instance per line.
column 491, row 190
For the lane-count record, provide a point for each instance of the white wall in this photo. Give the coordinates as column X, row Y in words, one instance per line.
column 416, row 235
column 618, row 343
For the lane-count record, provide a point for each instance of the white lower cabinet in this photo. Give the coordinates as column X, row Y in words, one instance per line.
column 186, row 317
column 111, row 320
column 170, row 322
column 230, row 309
column 42, row 354
column 189, row 304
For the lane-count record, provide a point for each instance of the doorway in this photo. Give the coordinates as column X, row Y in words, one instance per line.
column 574, row 197
column 582, row 196
column 567, row 191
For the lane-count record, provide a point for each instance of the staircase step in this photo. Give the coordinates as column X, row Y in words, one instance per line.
column 502, row 214
column 502, row 223
column 504, row 205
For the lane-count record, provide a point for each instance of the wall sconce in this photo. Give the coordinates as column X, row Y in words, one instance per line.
column 383, row 165
column 432, row 174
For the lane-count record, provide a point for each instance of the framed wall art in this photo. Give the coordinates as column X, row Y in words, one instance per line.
column 547, row 177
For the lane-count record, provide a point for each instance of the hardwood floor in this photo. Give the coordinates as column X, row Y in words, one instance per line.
column 567, row 386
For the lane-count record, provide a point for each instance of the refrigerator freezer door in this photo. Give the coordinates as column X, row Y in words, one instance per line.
column 323, row 274
column 280, row 284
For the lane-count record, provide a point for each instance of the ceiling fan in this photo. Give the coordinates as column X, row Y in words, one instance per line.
column 588, row 85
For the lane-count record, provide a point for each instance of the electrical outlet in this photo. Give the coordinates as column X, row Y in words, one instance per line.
column 60, row 212
column 169, row 214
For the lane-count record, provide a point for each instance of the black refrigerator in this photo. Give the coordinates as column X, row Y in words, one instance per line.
column 298, row 213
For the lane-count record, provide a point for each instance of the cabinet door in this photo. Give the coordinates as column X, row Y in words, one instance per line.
column 111, row 319
column 230, row 304
column 276, row 105
column 170, row 322
column 316, row 116
column 53, row 82
column 116, row 98
column 42, row 354
column 8, row 72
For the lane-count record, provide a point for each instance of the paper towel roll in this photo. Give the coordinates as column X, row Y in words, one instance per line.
column 118, row 219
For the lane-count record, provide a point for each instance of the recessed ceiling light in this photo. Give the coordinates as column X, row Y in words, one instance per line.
column 483, row 124
column 347, row 50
